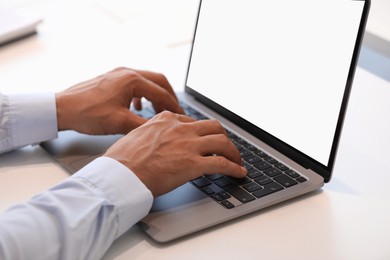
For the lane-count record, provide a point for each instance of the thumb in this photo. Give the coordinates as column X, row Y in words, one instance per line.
column 132, row 121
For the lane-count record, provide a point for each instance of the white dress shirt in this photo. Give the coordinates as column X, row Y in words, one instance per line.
column 78, row 218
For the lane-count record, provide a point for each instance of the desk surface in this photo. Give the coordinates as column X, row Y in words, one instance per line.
column 347, row 219
column 379, row 21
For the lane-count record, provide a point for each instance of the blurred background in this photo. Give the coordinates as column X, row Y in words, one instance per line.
column 152, row 30
column 98, row 31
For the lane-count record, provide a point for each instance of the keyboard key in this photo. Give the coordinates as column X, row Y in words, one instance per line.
column 240, row 194
column 252, row 159
column 224, row 194
column 262, row 165
column 208, row 190
column 285, row 180
column 234, row 141
column 254, row 173
column 201, row 182
column 227, row 204
column 217, row 197
column 261, row 154
column 301, row 179
column 223, row 182
column 272, row 172
column 281, row 167
column 268, row 189
column 292, row 174
column 248, row 166
column 231, row 134
column 241, row 181
column 263, row 180
column 244, row 152
column 270, row 160
column 213, row 177
column 250, row 147
column 251, row 187
column 241, row 141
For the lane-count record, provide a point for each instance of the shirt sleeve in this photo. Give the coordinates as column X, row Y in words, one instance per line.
column 27, row 119
column 77, row 219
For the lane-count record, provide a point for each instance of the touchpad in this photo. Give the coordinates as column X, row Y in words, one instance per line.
column 184, row 195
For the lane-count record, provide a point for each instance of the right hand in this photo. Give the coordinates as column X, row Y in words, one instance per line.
column 171, row 149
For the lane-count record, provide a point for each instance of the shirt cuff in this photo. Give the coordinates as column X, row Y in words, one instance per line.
column 132, row 199
column 33, row 118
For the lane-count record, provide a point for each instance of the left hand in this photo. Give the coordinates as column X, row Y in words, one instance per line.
column 101, row 105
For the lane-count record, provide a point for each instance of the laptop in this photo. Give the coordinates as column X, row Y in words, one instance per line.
column 277, row 75
column 15, row 26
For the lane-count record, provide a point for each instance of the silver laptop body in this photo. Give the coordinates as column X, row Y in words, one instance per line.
column 277, row 75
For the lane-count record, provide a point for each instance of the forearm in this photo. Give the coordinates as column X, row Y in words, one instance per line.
column 77, row 219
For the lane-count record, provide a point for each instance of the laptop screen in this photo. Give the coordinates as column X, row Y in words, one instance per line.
column 280, row 65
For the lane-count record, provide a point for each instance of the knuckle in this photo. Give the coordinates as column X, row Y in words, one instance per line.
column 128, row 73
column 222, row 162
column 134, row 76
column 227, row 143
column 223, row 139
column 121, row 68
column 161, row 77
column 182, row 129
column 166, row 114
column 217, row 125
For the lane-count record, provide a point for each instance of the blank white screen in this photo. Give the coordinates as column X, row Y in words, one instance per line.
column 280, row 64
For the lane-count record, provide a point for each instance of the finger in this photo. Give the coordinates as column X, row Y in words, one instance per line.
column 219, row 164
column 159, row 109
column 137, row 104
column 171, row 116
column 208, row 127
column 220, row 145
column 158, row 96
column 132, row 121
column 185, row 119
column 161, row 81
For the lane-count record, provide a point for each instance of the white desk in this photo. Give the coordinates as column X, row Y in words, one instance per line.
column 379, row 21
column 347, row 219
column 376, row 52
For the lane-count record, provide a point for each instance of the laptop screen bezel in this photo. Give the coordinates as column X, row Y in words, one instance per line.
column 306, row 161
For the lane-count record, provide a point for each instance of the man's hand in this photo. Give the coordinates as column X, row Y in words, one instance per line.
column 171, row 149
column 101, row 105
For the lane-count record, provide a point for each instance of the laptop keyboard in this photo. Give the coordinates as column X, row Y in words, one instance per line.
column 265, row 175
